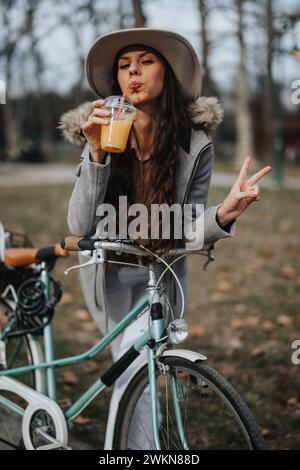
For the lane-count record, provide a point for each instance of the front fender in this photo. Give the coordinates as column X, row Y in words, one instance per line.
column 184, row 353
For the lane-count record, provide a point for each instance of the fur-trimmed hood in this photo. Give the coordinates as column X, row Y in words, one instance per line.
column 206, row 111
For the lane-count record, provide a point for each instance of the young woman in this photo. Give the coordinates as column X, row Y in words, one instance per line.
column 168, row 159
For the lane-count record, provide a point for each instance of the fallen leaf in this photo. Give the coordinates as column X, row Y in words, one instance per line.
column 252, row 321
column 196, row 330
column 70, row 378
column 235, row 344
column 293, row 402
column 267, row 326
column 82, row 315
column 238, row 323
column 285, row 225
column 267, row 251
column 67, row 298
column 258, row 351
column 239, row 308
column 284, row 320
column 89, row 326
column 224, row 286
column 90, row 367
column 217, row 297
column 266, row 433
column 288, row 272
column 82, row 420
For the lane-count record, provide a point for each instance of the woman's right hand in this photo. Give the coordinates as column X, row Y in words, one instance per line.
column 92, row 129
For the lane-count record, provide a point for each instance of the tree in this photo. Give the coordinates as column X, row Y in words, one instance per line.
column 9, row 44
column 244, row 132
column 208, row 86
column 139, row 17
column 268, row 100
column 38, row 64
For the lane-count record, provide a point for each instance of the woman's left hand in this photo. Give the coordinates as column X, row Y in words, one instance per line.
column 241, row 195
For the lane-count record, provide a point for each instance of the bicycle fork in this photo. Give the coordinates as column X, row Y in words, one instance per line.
column 176, row 400
column 157, row 327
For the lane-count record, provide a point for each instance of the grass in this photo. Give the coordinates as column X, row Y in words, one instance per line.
column 246, row 303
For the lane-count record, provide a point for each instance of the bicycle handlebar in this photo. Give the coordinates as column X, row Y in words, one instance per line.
column 73, row 243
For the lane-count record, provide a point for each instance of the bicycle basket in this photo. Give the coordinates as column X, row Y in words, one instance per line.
column 8, row 275
column 12, row 239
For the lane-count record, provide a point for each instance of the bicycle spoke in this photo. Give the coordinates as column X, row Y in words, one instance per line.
column 169, row 418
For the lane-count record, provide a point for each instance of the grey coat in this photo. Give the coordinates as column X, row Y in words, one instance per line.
column 192, row 186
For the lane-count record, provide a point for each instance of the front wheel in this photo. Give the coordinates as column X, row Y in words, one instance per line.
column 210, row 413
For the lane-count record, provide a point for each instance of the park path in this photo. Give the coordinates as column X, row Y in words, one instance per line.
column 41, row 174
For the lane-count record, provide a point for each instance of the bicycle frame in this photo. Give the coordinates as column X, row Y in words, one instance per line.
column 152, row 335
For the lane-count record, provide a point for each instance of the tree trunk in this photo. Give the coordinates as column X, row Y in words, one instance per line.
column 208, row 87
column 244, row 132
column 45, row 113
column 268, row 110
column 139, row 17
column 11, row 134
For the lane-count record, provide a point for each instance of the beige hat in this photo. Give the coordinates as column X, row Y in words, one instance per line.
column 177, row 50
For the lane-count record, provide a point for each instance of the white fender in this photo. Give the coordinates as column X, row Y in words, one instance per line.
column 184, row 353
column 38, row 358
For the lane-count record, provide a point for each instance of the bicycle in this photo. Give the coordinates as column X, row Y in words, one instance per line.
column 187, row 396
column 25, row 275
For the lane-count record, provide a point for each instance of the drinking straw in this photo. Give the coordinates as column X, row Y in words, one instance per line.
column 123, row 99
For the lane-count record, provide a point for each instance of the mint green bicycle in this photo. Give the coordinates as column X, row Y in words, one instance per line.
column 192, row 405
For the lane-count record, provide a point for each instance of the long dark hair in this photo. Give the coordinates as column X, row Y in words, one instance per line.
column 174, row 128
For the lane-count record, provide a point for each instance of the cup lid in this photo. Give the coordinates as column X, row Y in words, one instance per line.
column 117, row 101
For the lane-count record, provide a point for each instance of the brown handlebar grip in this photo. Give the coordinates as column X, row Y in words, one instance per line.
column 59, row 251
column 71, row 243
column 78, row 243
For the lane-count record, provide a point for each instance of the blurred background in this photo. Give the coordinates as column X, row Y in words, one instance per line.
column 244, row 311
column 249, row 50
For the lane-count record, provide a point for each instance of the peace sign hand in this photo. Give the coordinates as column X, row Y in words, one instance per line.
column 242, row 194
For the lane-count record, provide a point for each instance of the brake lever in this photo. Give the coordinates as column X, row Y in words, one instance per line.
column 99, row 257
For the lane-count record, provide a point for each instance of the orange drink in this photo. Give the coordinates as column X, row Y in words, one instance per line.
column 114, row 135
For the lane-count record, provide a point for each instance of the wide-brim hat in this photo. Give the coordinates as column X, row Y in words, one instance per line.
column 176, row 49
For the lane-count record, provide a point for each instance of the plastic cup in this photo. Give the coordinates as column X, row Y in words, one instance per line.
column 114, row 135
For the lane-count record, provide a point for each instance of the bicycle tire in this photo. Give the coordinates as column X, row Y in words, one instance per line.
column 20, row 351
column 209, row 378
